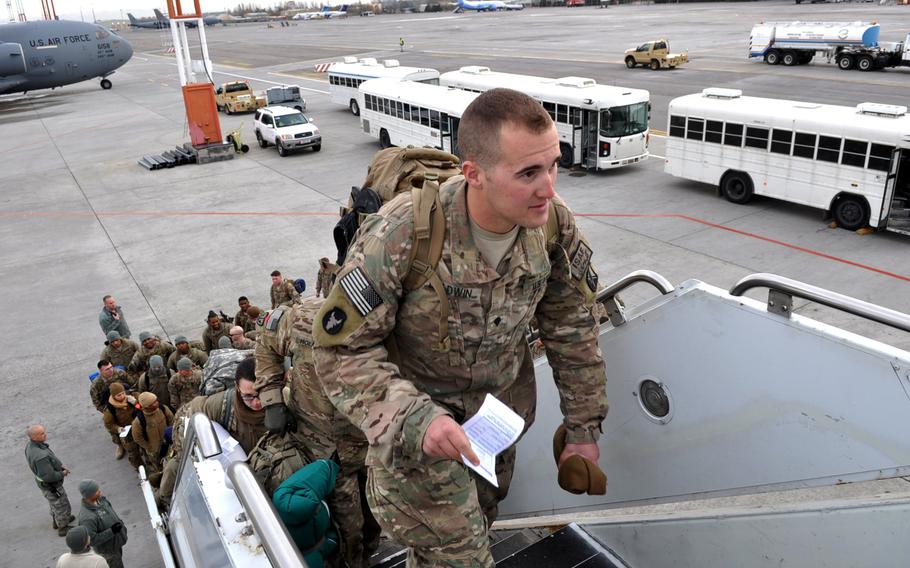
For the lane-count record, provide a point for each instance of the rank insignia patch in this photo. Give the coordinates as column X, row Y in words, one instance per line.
column 363, row 296
column 333, row 320
column 581, row 260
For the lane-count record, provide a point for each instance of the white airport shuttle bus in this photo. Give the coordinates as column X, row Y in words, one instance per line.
column 600, row 127
column 851, row 162
column 399, row 113
column 344, row 78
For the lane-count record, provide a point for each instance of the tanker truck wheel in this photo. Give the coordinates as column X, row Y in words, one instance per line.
column 789, row 58
column 772, row 57
column 845, row 61
column 865, row 63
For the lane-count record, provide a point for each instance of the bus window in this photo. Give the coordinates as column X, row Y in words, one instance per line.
column 562, row 114
column 733, row 136
column 551, row 110
column 433, row 81
column 804, row 145
column 696, row 129
column 757, row 137
column 714, row 131
column 828, row 148
column 424, row 117
column 880, row 157
column 444, row 123
column 854, row 153
column 434, row 119
column 781, row 141
column 624, row 120
column 678, row 126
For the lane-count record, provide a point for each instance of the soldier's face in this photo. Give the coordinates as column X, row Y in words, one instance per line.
column 183, row 347
column 276, row 280
column 186, row 373
column 214, row 323
column 40, row 435
column 249, row 395
column 149, row 343
column 110, row 304
column 517, row 190
column 244, row 304
column 116, row 343
column 107, row 371
column 120, row 397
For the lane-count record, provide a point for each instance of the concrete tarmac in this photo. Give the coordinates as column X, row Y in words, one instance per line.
column 80, row 219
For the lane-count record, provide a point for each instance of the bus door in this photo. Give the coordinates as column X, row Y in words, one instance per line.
column 895, row 211
column 586, row 136
column 449, row 133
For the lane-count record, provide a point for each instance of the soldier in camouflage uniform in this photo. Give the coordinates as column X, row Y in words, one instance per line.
column 107, row 374
column 496, row 274
column 150, row 345
column 282, row 292
column 148, row 430
column 49, row 473
column 325, row 277
column 288, row 331
column 239, row 340
column 184, row 386
column 242, row 318
column 184, row 349
column 157, row 380
column 119, row 351
column 215, row 329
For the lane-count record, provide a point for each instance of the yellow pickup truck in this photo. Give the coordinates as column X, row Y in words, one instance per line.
column 237, row 96
column 655, row 54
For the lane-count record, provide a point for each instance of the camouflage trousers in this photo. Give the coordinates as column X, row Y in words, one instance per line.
column 323, row 431
column 168, row 480
column 59, row 504
column 150, row 461
column 441, row 511
column 133, row 451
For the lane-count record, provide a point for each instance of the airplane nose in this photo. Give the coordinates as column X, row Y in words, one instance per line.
column 126, row 50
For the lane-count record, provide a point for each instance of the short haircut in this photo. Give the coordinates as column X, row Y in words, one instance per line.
column 242, row 299
column 276, row 273
column 103, row 363
column 482, row 121
column 246, row 369
column 106, row 298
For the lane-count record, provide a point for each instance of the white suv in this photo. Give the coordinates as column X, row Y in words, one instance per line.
column 286, row 128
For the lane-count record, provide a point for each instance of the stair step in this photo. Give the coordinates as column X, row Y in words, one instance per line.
column 569, row 547
column 505, row 543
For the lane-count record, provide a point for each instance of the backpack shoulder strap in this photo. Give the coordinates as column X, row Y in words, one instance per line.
column 551, row 229
column 426, row 250
column 227, row 409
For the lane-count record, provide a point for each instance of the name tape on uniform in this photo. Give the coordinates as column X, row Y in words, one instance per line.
column 359, row 290
column 581, row 260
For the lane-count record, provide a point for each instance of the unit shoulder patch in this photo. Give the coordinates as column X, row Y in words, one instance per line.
column 581, row 260
column 271, row 323
column 360, row 292
column 333, row 320
column 592, row 279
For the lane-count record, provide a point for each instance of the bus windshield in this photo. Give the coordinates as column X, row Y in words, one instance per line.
column 290, row 120
column 624, row 120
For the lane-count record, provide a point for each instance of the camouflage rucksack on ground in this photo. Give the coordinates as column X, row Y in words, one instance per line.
column 275, row 458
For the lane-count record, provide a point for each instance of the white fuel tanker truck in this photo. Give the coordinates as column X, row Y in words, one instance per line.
column 852, row 45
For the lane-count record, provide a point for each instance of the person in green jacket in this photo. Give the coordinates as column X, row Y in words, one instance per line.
column 106, row 530
column 299, row 502
column 49, row 473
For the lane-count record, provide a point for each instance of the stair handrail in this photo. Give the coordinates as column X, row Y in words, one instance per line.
column 781, row 291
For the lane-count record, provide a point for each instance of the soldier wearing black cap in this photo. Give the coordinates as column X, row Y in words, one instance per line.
column 81, row 554
column 184, row 349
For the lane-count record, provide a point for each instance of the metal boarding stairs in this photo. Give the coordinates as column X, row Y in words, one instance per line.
column 712, row 394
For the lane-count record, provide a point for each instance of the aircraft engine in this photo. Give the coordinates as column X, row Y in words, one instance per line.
column 12, row 61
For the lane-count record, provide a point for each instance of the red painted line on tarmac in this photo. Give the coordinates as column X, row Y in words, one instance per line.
column 28, row 214
column 750, row 235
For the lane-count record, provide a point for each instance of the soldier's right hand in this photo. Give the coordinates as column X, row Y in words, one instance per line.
column 276, row 418
column 116, row 527
column 445, row 438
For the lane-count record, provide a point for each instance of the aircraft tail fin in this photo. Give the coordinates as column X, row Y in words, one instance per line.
column 159, row 15
column 344, row 8
column 324, row 9
column 131, row 17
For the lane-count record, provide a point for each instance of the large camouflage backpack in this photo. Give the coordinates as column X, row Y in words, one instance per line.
column 218, row 372
column 275, row 458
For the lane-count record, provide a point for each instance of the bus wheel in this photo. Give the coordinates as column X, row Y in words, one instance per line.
column 736, row 187
column 772, row 57
column 850, row 213
column 384, row 140
column 566, row 156
column 845, row 61
column 865, row 63
column 355, row 108
column 655, row 65
column 789, row 58
column 630, row 62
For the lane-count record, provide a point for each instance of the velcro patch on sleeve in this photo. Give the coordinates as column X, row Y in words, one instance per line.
column 581, row 260
column 360, row 292
column 271, row 322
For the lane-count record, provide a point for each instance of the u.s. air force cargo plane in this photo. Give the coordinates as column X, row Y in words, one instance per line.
column 487, row 6
column 44, row 55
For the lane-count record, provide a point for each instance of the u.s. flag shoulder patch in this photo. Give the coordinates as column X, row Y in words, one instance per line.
column 360, row 292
